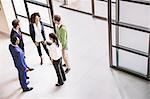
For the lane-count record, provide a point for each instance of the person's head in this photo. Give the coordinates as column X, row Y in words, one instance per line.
column 53, row 38
column 35, row 18
column 16, row 24
column 15, row 40
column 56, row 19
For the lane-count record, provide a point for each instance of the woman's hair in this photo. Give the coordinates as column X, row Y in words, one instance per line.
column 57, row 18
column 55, row 39
column 13, row 40
column 32, row 19
column 15, row 23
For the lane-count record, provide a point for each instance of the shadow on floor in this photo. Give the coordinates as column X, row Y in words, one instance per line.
column 12, row 94
column 4, row 35
column 7, row 82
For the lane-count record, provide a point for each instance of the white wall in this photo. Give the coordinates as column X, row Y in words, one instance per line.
column 9, row 12
column 3, row 22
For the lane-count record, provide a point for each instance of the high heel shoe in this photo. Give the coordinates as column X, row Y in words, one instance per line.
column 58, row 85
column 64, row 65
column 67, row 70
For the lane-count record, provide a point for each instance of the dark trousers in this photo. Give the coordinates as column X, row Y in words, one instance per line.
column 59, row 71
column 22, row 77
column 39, row 48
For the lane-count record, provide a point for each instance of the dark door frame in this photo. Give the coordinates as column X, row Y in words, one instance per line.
column 49, row 5
column 117, row 47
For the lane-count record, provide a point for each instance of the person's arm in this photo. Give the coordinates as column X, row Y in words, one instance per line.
column 32, row 34
column 48, row 43
column 20, row 61
column 42, row 31
column 13, row 34
column 63, row 36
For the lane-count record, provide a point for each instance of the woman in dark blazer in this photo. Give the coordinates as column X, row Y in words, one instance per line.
column 38, row 35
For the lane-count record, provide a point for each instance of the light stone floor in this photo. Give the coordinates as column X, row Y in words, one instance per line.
column 90, row 77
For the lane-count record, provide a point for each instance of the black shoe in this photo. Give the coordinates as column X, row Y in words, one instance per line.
column 64, row 79
column 30, row 69
column 27, row 77
column 58, row 84
column 27, row 82
column 64, row 65
column 67, row 70
column 28, row 89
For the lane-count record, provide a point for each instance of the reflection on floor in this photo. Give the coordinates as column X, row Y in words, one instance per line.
column 90, row 77
column 82, row 5
column 86, row 6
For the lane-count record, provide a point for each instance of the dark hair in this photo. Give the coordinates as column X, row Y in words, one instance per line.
column 57, row 18
column 15, row 23
column 32, row 19
column 54, row 37
column 13, row 40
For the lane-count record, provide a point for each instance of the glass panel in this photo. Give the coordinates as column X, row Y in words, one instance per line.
column 113, row 10
column 24, row 23
column 134, row 39
column 42, row 1
column 20, row 7
column 114, row 56
column 81, row 5
column 113, row 35
column 133, row 61
column 102, row 10
column 133, row 13
column 71, row 1
column 44, row 12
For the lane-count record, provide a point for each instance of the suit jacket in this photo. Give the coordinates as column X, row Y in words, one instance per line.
column 32, row 31
column 21, row 43
column 18, row 57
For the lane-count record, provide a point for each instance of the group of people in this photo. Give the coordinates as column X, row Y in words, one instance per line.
column 56, row 49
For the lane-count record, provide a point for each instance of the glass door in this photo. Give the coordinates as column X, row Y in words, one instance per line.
column 100, row 8
column 129, row 37
column 24, row 8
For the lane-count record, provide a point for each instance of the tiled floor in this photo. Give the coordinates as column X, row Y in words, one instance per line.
column 90, row 77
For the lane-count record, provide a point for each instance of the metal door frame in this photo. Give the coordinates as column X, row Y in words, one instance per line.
column 49, row 5
column 120, row 47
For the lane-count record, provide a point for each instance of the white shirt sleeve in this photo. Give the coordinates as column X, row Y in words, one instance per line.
column 55, row 51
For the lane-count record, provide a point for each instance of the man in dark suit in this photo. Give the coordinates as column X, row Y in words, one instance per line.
column 19, row 61
column 17, row 33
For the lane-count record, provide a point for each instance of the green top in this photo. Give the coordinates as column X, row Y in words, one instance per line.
column 61, row 33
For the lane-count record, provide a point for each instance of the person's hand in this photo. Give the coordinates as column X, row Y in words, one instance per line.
column 48, row 43
column 36, row 43
column 44, row 42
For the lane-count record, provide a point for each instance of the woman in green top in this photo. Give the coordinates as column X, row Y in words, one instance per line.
column 62, row 35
